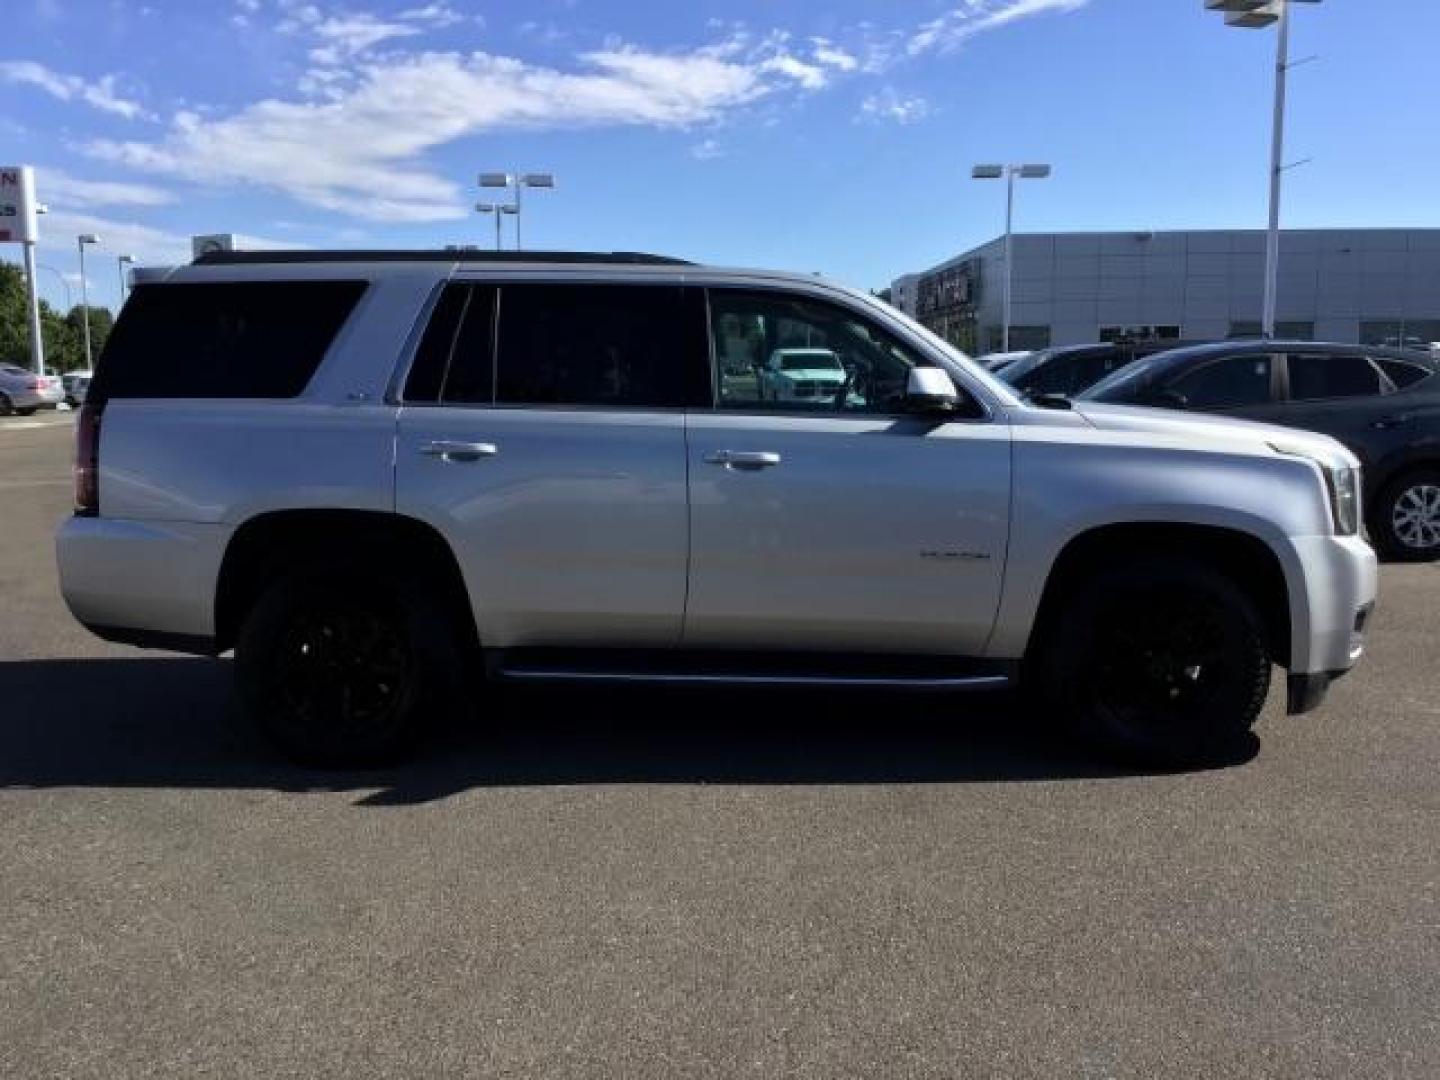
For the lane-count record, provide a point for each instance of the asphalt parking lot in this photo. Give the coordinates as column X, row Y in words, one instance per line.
column 663, row 884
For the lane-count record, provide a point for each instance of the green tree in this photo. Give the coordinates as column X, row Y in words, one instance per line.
column 14, row 329
column 101, row 322
column 63, row 349
column 61, row 331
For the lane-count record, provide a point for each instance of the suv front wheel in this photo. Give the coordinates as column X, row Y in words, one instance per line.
column 344, row 670
column 1163, row 662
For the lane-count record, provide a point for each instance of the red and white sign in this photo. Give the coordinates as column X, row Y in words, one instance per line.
column 17, row 205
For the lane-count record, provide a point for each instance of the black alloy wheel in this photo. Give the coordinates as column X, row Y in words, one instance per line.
column 1163, row 662
column 344, row 671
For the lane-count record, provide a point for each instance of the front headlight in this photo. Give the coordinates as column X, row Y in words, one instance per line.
column 1342, row 485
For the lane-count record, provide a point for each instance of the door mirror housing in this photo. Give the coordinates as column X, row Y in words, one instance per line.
column 930, row 390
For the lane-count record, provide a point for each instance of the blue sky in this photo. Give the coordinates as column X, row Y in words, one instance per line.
column 833, row 138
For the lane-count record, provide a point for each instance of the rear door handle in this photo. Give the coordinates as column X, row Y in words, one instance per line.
column 458, row 451
column 744, row 459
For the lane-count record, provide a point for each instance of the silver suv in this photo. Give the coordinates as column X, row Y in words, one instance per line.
column 387, row 479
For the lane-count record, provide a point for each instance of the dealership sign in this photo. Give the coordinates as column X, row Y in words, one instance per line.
column 17, row 204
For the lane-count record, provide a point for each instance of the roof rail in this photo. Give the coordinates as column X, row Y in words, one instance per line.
column 248, row 258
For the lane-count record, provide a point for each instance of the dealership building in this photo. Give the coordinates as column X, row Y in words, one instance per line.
column 1375, row 286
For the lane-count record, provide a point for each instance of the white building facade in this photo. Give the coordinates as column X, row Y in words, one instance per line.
column 1375, row 286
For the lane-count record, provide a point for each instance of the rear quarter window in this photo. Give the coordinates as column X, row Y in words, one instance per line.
column 223, row 340
column 1403, row 373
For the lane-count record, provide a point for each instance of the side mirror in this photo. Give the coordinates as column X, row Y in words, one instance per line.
column 929, row 389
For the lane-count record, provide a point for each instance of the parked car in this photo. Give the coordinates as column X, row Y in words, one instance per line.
column 22, row 391
column 803, row 375
column 396, row 476
column 76, row 383
column 1383, row 403
column 1066, row 370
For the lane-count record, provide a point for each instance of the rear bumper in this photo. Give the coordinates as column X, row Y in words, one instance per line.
column 146, row 583
column 31, row 399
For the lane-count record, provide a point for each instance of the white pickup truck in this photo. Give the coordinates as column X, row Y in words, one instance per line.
column 386, row 478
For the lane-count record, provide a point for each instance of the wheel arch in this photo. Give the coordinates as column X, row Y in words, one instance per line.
column 274, row 543
column 1409, row 459
column 1245, row 557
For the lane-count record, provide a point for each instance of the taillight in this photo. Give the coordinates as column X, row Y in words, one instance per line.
column 39, row 384
column 87, row 461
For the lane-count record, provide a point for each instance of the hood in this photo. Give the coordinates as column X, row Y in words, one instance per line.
column 1214, row 432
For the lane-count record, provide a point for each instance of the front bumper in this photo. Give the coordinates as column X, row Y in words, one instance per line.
column 1332, row 599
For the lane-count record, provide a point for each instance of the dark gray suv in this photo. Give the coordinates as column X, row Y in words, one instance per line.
column 1383, row 403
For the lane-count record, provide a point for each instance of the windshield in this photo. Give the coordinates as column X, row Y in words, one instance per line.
column 1018, row 369
column 1124, row 384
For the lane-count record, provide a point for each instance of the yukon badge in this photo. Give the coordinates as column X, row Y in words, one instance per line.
column 956, row 556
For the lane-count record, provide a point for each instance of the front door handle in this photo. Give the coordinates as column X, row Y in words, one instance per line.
column 1391, row 421
column 744, row 459
column 458, row 451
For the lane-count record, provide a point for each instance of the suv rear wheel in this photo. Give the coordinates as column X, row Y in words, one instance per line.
column 1405, row 524
column 342, row 669
column 1163, row 663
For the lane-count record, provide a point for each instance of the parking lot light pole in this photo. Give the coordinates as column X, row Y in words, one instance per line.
column 1009, row 172
column 499, row 210
column 520, row 181
column 1258, row 15
column 81, row 241
column 121, row 261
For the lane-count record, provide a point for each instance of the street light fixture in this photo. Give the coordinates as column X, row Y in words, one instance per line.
column 121, row 261
column 519, row 181
column 1257, row 15
column 1009, row 173
column 81, row 241
column 499, row 210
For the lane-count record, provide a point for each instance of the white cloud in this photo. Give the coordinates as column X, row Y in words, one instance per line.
column 888, row 104
column 348, row 35
column 58, row 230
column 99, row 94
column 60, row 190
column 360, row 152
column 809, row 76
column 707, row 150
column 149, row 246
column 831, row 55
column 972, row 17
column 354, row 133
column 437, row 16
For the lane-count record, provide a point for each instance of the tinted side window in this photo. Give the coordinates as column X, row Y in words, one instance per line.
column 1317, row 376
column 621, row 346
column 232, row 340
column 455, row 361
column 1403, row 373
column 780, row 351
column 1225, row 383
